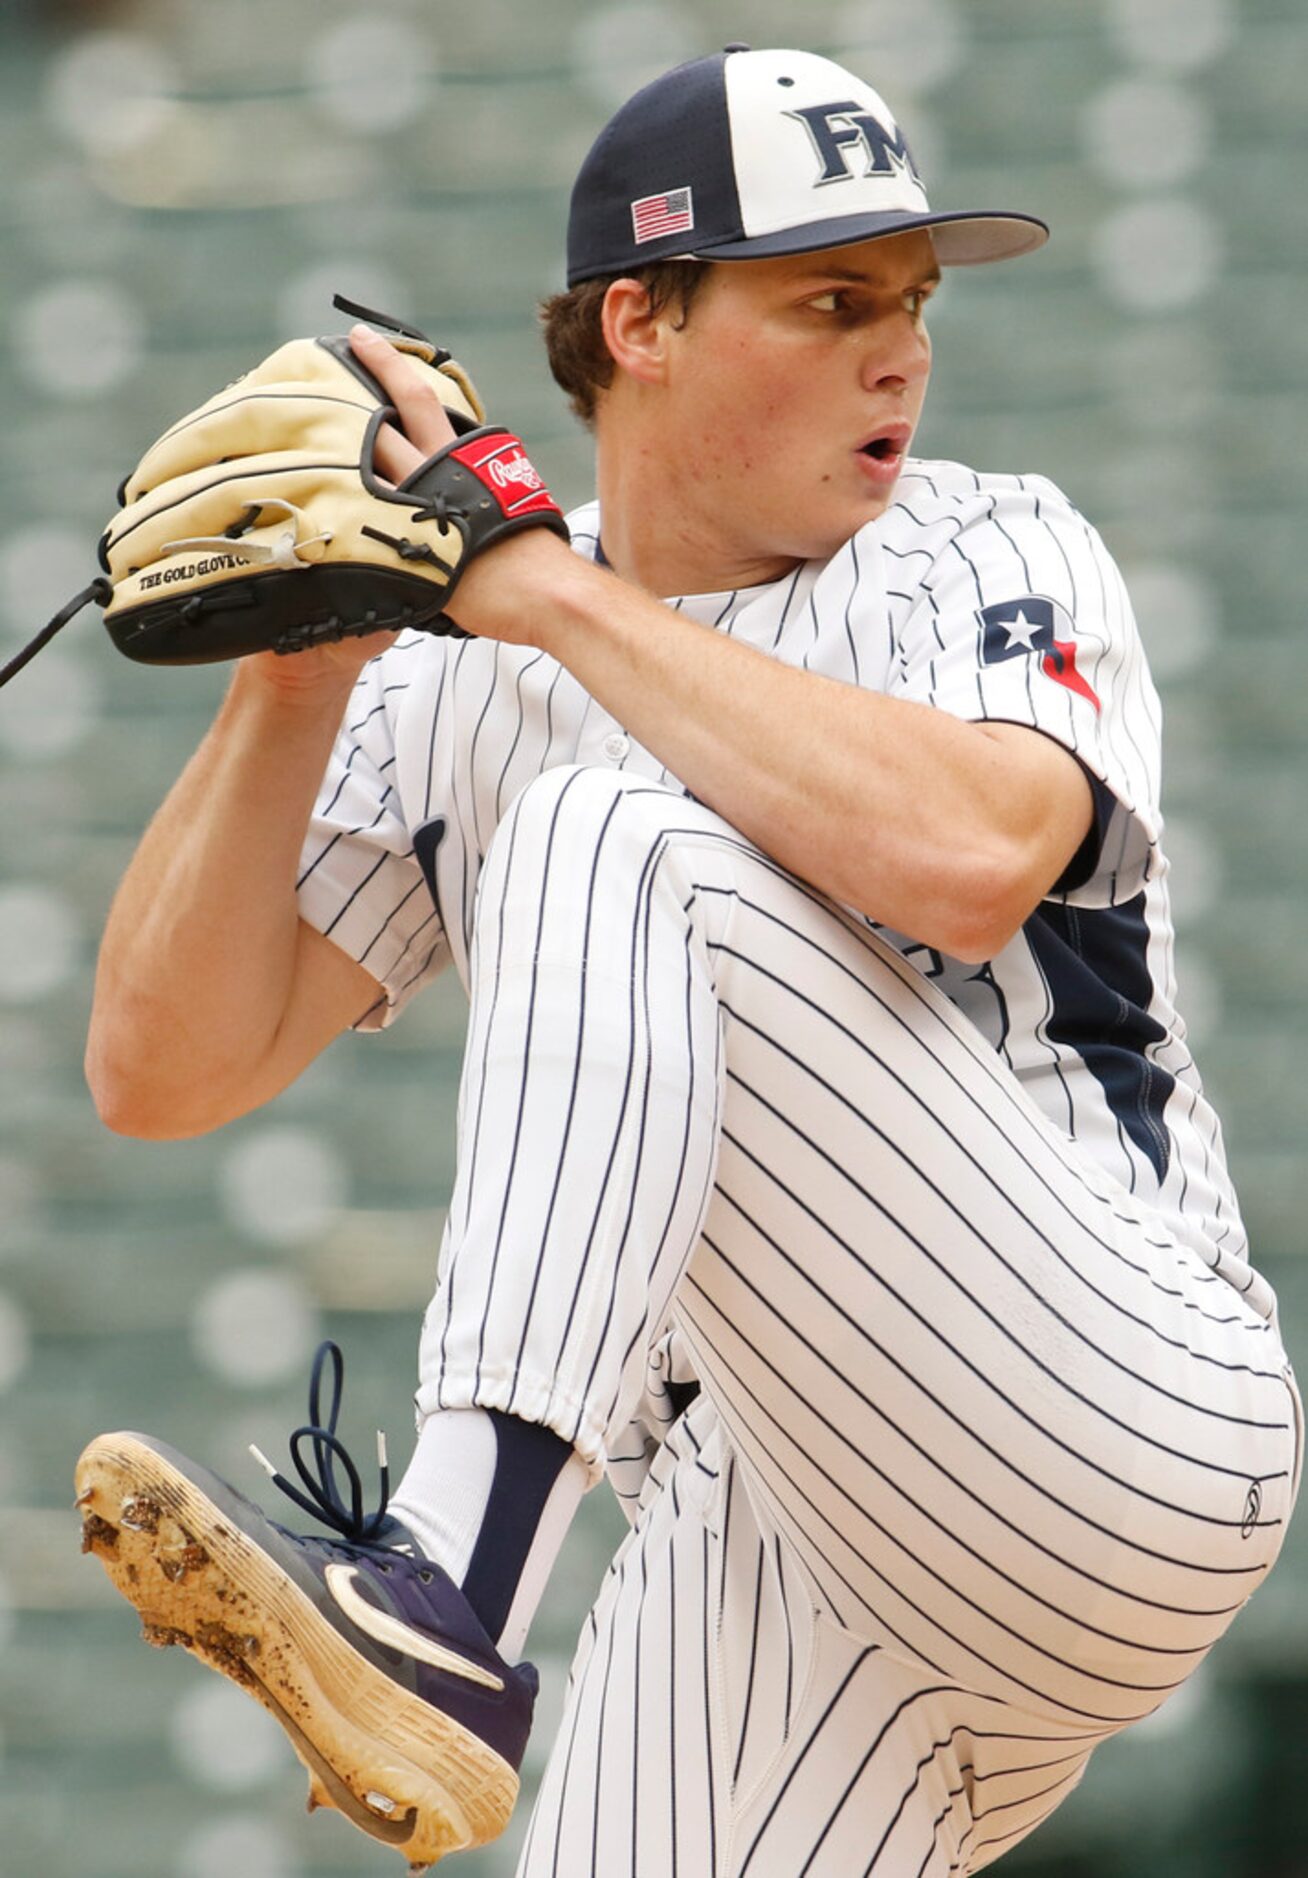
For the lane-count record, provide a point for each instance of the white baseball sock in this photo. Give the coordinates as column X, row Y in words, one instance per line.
column 490, row 1499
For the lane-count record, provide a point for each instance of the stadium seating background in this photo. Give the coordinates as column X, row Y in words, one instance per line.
column 184, row 184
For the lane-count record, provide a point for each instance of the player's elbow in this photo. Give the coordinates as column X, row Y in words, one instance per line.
column 133, row 1096
column 992, row 899
column 974, row 943
column 125, row 1107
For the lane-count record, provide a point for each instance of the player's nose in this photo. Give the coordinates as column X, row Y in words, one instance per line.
column 898, row 348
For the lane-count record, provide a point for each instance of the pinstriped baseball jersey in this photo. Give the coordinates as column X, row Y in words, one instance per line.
column 984, row 595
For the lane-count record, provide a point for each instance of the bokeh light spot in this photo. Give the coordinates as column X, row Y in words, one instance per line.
column 255, row 1327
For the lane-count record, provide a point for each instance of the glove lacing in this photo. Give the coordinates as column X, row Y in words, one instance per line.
column 284, row 552
column 100, row 590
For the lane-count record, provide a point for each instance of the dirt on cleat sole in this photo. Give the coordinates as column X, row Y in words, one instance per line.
column 394, row 1765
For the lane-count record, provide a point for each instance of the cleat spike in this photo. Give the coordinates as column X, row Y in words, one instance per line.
column 98, row 1534
column 318, row 1795
column 85, row 1497
column 139, row 1513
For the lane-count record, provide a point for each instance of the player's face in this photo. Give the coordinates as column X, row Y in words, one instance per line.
column 796, row 385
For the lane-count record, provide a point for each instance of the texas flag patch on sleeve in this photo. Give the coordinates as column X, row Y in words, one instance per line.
column 1033, row 626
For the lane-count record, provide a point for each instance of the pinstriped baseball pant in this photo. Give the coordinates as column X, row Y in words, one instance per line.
column 983, row 1461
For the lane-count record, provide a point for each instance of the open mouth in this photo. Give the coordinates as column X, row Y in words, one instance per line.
column 882, row 454
column 888, row 445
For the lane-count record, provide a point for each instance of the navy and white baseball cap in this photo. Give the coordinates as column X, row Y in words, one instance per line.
column 744, row 155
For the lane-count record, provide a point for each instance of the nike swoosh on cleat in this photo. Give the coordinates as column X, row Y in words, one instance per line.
column 397, row 1635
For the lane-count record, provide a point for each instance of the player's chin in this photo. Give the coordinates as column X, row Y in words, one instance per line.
column 843, row 520
column 878, row 480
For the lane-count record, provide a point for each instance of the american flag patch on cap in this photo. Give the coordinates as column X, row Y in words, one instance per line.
column 671, row 214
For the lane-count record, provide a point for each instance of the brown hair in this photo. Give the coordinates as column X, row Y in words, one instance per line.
column 574, row 333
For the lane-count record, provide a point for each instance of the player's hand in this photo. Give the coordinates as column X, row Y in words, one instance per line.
column 318, row 673
column 489, row 598
column 425, row 426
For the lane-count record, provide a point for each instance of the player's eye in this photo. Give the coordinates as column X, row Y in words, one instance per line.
column 916, row 298
column 833, row 301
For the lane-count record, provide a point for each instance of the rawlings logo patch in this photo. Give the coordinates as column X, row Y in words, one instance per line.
column 504, row 471
column 503, row 466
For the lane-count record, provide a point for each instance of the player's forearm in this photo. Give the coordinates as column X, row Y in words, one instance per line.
column 921, row 820
column 198, row 961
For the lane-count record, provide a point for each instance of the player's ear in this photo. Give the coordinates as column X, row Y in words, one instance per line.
column 635, row 335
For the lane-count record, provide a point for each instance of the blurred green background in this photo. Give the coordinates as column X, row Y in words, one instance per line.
column 183, row 183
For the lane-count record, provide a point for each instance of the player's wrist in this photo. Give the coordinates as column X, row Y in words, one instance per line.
column 520, row 591
column 309, row 689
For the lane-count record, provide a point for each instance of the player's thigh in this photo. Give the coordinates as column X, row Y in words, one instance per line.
column 1014, row 1432
column 891, row 1771
column 719, row 1723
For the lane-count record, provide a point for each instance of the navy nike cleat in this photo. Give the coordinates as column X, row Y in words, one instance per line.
column 368, row 1654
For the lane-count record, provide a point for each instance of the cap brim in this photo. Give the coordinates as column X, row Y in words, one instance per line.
column 961, row 240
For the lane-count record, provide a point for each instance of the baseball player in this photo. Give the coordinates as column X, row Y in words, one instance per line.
column 834, row 1175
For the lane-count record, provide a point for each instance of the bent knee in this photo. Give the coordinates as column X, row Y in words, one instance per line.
column 589, row 801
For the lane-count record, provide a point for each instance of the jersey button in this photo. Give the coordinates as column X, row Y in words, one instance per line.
column 616, row 746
